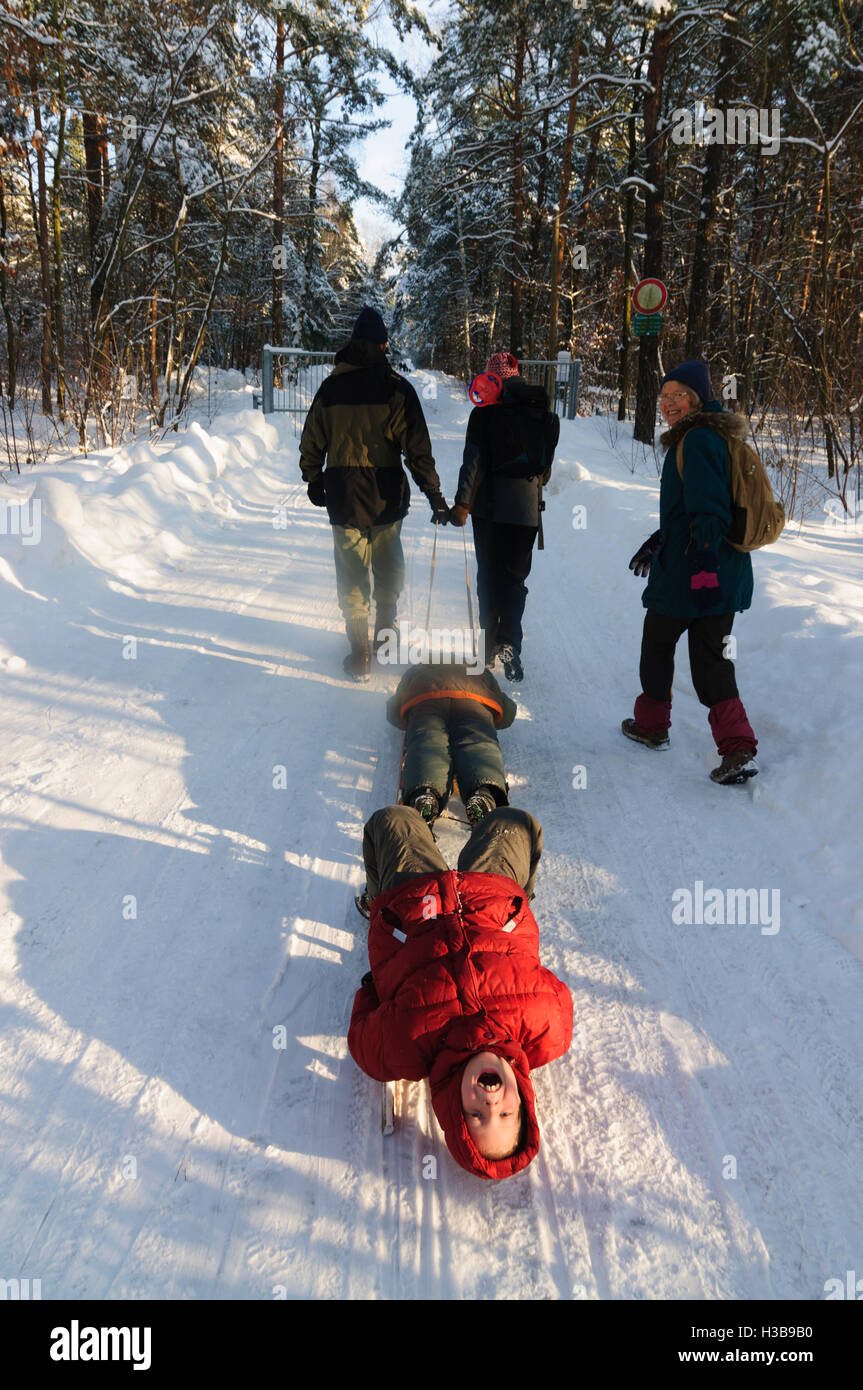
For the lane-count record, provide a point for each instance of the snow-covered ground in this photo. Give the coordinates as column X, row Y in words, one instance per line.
column 170, row 909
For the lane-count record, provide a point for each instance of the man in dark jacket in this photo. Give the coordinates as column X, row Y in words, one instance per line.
column 507, row 459
column 363, row 419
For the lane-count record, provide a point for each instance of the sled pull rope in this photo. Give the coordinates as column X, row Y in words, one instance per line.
column 467, row 581
column 431, row 576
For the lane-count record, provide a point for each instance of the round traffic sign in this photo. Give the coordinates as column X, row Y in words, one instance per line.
column 649, row 296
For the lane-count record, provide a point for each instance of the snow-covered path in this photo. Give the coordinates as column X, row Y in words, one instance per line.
column 170, row 910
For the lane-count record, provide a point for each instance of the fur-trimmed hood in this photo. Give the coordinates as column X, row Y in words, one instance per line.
column 726, row 424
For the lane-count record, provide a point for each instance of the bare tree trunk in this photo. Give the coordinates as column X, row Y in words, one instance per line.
column 654, row 201
column 465, row 291
column 60, row 354
column 628, row 224
column 312, row 223
column 154, row 352
column 94, row 139
column 558, row 232
column 278, row 187
column 42, row 237
column 11, row 342
column 702, row 255
column 516, row 310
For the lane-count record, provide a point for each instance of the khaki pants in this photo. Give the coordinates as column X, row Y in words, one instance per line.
column 398, row 845
column 359, row 550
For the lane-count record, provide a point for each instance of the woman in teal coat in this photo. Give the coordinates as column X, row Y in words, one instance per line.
column 697, row 581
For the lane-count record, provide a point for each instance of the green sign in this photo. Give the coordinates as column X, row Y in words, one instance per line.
column 646, row 325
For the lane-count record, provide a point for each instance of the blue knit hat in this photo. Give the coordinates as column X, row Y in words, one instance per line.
column 695, row 375
column 370, row 325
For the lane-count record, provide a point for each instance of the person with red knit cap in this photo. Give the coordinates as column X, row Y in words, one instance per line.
column 697, row 581
column 456, row 991
column 509, row 447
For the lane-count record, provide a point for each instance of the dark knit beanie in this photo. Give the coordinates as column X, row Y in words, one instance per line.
column 370, row 325
column 695, row 375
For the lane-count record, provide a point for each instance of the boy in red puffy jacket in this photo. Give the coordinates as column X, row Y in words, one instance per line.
column 456, row 991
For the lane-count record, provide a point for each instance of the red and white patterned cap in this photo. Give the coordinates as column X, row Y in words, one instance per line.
column 503, row 363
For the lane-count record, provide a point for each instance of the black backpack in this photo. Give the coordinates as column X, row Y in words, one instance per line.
column 524, row 432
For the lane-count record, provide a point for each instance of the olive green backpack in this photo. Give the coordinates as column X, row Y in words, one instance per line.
column 757, row 519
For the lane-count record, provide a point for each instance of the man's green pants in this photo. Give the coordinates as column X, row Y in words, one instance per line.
column 361, row 552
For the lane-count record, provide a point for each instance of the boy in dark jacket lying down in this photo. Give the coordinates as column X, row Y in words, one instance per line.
column 456, row 991
column 451, row 718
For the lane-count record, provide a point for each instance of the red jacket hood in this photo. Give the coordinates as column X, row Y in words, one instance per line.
column 465, row 1038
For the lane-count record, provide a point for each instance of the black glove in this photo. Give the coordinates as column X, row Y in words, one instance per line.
column 367, row 979
column 315, row 491
column 440, row 510
column 643, row 558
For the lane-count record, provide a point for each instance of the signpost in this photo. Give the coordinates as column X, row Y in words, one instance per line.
column 649, row 298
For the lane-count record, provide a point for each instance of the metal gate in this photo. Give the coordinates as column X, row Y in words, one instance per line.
column 560, row 380
column 302, row 374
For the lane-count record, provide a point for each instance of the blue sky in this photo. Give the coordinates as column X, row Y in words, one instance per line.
column 383, row 155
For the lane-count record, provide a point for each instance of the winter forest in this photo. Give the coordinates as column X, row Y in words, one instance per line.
column 192, row 191
column 177, row 183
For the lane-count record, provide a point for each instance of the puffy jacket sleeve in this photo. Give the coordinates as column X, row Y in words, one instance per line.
column 706, row 494
column 394, row 704
column 377, row 1044
column 410, row 431
column 509, row 707
column 547, row 1027
column 314, row 442
column 473, row 466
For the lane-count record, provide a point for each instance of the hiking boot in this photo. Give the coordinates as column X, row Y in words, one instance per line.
column 511, row 659
column 385, row 622
column 479, row 804
column 425, row 800
column 357, row 663
column 654, row 740
column 363, row 903
column 735, row 768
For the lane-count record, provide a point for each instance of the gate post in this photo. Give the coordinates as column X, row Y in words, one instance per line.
column 572, row 388
column 267, row 378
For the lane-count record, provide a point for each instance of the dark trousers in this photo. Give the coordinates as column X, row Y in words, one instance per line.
column 448, row 738
column 398, row 845
column 712, row 671
column 504, row 553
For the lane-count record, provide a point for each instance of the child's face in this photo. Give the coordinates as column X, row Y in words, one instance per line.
column 491, row 1103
